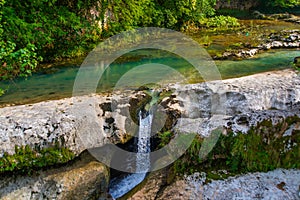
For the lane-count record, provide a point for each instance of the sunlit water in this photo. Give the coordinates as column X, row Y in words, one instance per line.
column 58, row 83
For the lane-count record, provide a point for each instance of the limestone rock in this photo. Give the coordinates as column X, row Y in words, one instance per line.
column 84, row 122
column 75, row 123
column 83, row 179
column 282, row 39
column 271, row 95
column 278, row 184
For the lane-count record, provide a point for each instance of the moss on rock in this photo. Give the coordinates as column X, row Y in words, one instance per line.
column 264, row 148
column 136, row 104
column 27, row 159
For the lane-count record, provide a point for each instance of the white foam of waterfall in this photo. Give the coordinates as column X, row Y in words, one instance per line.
column 143, row 154
column 120, row 187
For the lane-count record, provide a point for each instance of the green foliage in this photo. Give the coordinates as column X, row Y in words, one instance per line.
column 165, row 138
column 179, row 14
column 263, row 148
column 190, row 161
column 35, row 30
column 17, row 62
column 220, row 21
column 281, row 3
column 56, row 30
column 175, row 14
column 27, row 159
column 129, row 14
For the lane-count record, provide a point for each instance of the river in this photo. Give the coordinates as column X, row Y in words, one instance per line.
column 57, row 82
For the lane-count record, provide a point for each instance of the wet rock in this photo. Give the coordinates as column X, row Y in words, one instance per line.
column 276, row 44
column 297, row 61
column 83, row 179
column 280, row 16
column 287, row 39
column 258, row 15
column 153, row 184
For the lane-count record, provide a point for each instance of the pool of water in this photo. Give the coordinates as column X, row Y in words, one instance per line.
column 57, row 82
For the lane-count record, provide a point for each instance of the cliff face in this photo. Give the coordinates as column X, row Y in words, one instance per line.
column 237, row 4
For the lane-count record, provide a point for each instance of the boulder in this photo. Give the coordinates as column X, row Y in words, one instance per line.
column 74, row 123
column 85, row 178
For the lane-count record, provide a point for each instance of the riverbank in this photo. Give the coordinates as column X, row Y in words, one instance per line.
column 284, row 39
column 58, row 83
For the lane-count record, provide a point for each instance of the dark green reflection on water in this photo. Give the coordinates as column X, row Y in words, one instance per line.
column 58, row 82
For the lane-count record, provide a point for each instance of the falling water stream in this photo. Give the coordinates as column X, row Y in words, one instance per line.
column 119, row 186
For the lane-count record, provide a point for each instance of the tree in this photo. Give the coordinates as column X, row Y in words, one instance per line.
column 31, row 30
column 178, row 13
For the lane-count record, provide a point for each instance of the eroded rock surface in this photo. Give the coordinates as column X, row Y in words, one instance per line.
column 85, row 178
column 92, row 121
column 278, row 184
column 74, row 123
column 248, row 101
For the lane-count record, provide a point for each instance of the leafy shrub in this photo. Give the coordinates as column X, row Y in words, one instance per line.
column 263, row 148
column 31, row 31
column 17, row 62
column 219, row 22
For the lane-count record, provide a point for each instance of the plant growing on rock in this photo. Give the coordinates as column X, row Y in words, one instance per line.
column 265, row 147
column 26, row 159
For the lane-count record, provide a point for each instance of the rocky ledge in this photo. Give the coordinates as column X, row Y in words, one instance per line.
column 74, row 122
column 67, row 122
column 284, row 39
column 280, row 16
column 248, row 101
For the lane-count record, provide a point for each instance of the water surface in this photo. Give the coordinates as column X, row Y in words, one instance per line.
column 57, row 82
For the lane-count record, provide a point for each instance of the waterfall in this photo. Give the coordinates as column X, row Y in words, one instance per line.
column 143, row 154
column 119, row 187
